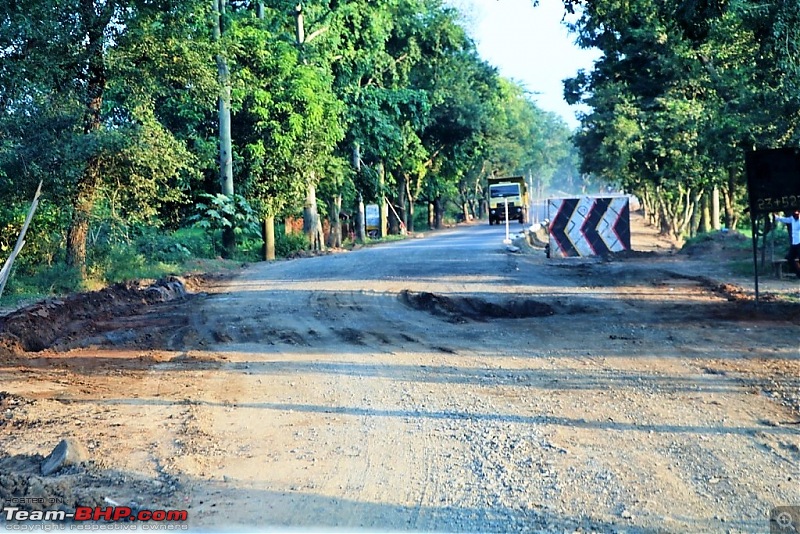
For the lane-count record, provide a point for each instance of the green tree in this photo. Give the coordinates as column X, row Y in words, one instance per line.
column 67, row 118
column 682, row 90
column 287, row 120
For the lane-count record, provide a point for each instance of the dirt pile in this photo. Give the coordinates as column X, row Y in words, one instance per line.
column 722, row 244
column 87, row 484
column 31, row 492
column 20, row 483
column 44, row 324
column 86, row 481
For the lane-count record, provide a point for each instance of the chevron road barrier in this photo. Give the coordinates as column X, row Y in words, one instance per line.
column 589, row 226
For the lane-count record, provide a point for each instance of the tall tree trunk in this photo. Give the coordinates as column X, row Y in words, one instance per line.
column 410, row 214
column 269, row 238
column 431, row 215
column 334, row 210
column 683, row 213
column 224, row 113
column 438, row 213
column 90, row 180
column 729, row 197
column 705, row 219
column 696, row 223
column 647, row 206
column 402, row 180
column 361, row 225
column 269, row 220
column 666, row 217
column 78, row 231
column 474, row 202
column 393, row 223
column 312, row 226
column 384, row 208
column 715, row 220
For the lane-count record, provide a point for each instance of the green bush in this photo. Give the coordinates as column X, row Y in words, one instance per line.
column 250, row 249
column 56, row 279
column 286, row 245
column 421, row 218
column 120, row 262
column 220, row 212
column 157, row 246
column 44, row 242
column 197, row 241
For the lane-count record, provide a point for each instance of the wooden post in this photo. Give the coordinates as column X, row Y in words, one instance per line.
column 384, row 209
column 6, row 270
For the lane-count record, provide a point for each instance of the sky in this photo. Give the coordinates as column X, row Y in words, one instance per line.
column 529, row 45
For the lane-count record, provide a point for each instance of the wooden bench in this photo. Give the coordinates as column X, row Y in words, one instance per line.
column 781, row 268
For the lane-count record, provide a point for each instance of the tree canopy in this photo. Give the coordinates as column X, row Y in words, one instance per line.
column 681, row 91
column 120, row 106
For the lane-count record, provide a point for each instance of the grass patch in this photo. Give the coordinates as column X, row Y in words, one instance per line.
column 733, row 240
column 745, row 268
column 56, row 279
column 151, row 254
column 388, row 239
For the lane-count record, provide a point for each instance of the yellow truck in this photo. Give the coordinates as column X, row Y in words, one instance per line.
column 512, row 189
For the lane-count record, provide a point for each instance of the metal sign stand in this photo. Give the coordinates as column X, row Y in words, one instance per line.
column 773, row 184
column 754, row 228
column 507, row 240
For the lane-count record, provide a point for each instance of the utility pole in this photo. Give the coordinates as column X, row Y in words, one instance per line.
column 225, row 143
column 361, row 232
column 268, row 224
column 312, row 226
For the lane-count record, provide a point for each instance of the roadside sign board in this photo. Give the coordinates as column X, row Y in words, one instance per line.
column 773, row 185
column 773, row 180
column 372, row 217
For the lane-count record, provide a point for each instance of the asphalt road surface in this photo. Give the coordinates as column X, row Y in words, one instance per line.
column 444, row 384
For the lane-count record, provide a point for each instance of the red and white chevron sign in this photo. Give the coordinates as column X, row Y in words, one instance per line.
column 589, row 226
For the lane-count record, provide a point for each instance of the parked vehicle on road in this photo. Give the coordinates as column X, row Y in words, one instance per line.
column 512, row 189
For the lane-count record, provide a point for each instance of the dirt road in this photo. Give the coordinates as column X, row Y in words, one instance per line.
column 435, row 384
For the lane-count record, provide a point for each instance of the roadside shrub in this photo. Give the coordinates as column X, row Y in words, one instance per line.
column 196, row 240
column 250, row 249
column 421, row 218
column 286, row 245
column 120, row 262
column 44, row 242
column 220, row 212
column 158, row 246
column 55, row 279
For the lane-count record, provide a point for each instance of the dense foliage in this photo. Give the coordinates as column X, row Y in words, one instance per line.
column 682, row 90
column 123, row 107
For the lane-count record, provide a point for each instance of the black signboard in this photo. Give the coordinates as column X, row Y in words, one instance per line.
column 773, row 180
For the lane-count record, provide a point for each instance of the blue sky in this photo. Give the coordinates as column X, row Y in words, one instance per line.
column 529, row 45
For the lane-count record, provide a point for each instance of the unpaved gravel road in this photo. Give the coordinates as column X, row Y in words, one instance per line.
column 435, row 384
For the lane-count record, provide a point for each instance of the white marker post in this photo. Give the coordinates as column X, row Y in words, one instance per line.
column 507, row 240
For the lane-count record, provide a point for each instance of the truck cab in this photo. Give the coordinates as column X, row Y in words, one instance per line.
column 513, row 190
